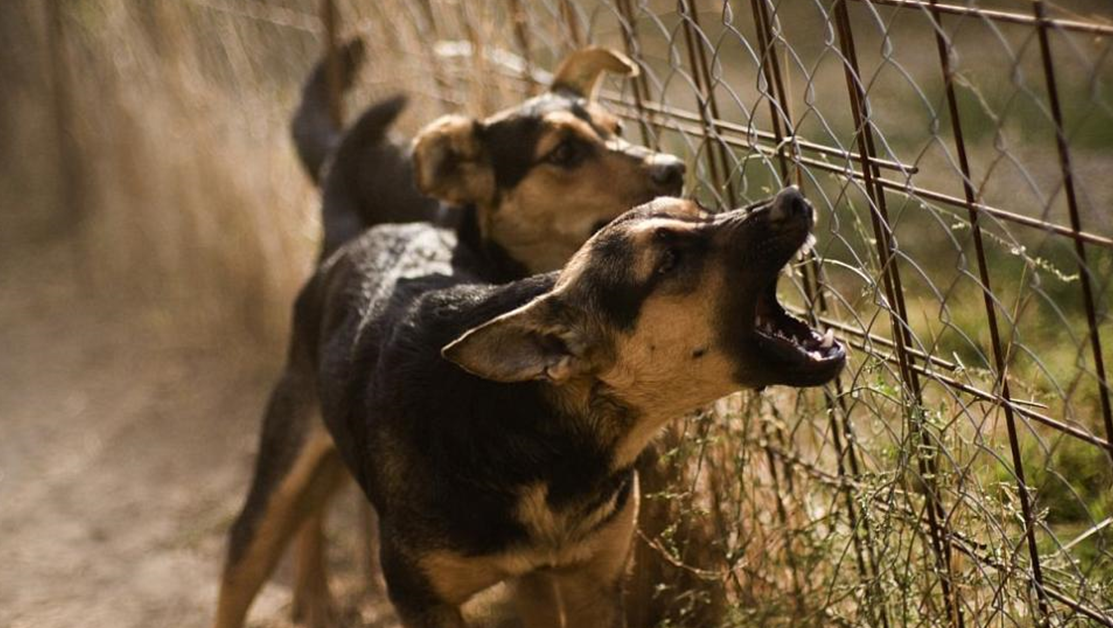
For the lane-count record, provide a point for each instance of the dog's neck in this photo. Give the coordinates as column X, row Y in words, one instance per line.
column 623, row 429
column 499, row 266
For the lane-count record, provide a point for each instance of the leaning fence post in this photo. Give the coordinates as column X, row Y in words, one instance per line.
column 781, row 112
column 1075, row 221
column 708, row 105
column 1000, row 363
column 894, row 294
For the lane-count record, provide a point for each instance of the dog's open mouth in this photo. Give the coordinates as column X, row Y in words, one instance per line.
column 793, row 342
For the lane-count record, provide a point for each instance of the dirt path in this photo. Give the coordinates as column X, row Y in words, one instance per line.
column 122, row 461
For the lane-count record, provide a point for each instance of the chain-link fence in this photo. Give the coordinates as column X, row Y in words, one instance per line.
column 959, row 472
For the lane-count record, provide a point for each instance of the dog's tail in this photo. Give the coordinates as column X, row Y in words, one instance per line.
column 369, row 178
column 315, row 132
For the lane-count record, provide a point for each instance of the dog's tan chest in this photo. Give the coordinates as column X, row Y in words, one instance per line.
column 559, row 531
column 560, row 539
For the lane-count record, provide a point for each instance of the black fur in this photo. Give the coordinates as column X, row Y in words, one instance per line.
column 314, row 131
column 370, row 180
column 622, row 294
column 442, row 454
column 452, row 461
column 367, row 177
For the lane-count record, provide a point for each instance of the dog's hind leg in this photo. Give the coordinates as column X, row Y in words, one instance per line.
column 297, row 469
column 372, row 571
column 313, row 603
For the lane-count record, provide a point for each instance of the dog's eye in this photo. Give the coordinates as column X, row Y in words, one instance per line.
column 566, row 154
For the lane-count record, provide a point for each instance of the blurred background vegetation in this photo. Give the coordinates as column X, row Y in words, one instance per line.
column 146, row 172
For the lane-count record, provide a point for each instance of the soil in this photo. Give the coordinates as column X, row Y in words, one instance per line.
column 123, row 459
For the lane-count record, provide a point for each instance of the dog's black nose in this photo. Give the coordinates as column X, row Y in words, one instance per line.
column 667, row 172
column 790, row 203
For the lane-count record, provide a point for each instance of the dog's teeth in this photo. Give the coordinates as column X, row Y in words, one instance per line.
column 828, row 339
column 815, row 355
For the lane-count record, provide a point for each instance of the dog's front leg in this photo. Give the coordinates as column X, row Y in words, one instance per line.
column 570, row 599
column 426, row 587
column 417, row 606
column 440, row 616
column 537, row 601
column 591, row 593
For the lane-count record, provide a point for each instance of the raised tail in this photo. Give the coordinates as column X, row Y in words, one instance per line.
column 315, row 132
column 369, row 179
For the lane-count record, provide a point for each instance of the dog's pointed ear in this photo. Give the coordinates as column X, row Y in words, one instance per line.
column 450, row 163
column 579, row 73
column 529, row 343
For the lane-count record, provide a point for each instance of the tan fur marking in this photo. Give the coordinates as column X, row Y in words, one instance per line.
column 581, row 69
column 448, row 162
column 602, row 553
column 313, row 603
column 456, row 578
column 583, row 593
column 552, row 212
column 641, row 232
column 303, row 491
column 603, row 118
column 557, row 529
column 655, row 370
column 561, row 124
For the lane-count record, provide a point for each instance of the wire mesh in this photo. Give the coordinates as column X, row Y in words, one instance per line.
column 959, row 472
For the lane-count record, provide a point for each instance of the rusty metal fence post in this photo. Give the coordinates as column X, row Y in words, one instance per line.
column 1002, row 377
column 894, row 295
column 1075, row 222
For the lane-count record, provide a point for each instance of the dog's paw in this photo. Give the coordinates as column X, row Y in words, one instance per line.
column 316, row 609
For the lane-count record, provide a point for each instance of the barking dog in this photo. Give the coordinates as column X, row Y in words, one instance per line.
column 495, row 427
column 520, row 191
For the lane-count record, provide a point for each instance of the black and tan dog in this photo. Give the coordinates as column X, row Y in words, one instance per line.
column 528, row 184
column 495, row 427
column 521, row 191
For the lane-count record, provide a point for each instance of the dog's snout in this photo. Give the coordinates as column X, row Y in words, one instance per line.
column 790, row 204
column 667, row 172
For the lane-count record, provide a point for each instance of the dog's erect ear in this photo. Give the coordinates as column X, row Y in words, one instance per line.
column 450, row 163
column 526, row 344
column 579, row 73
